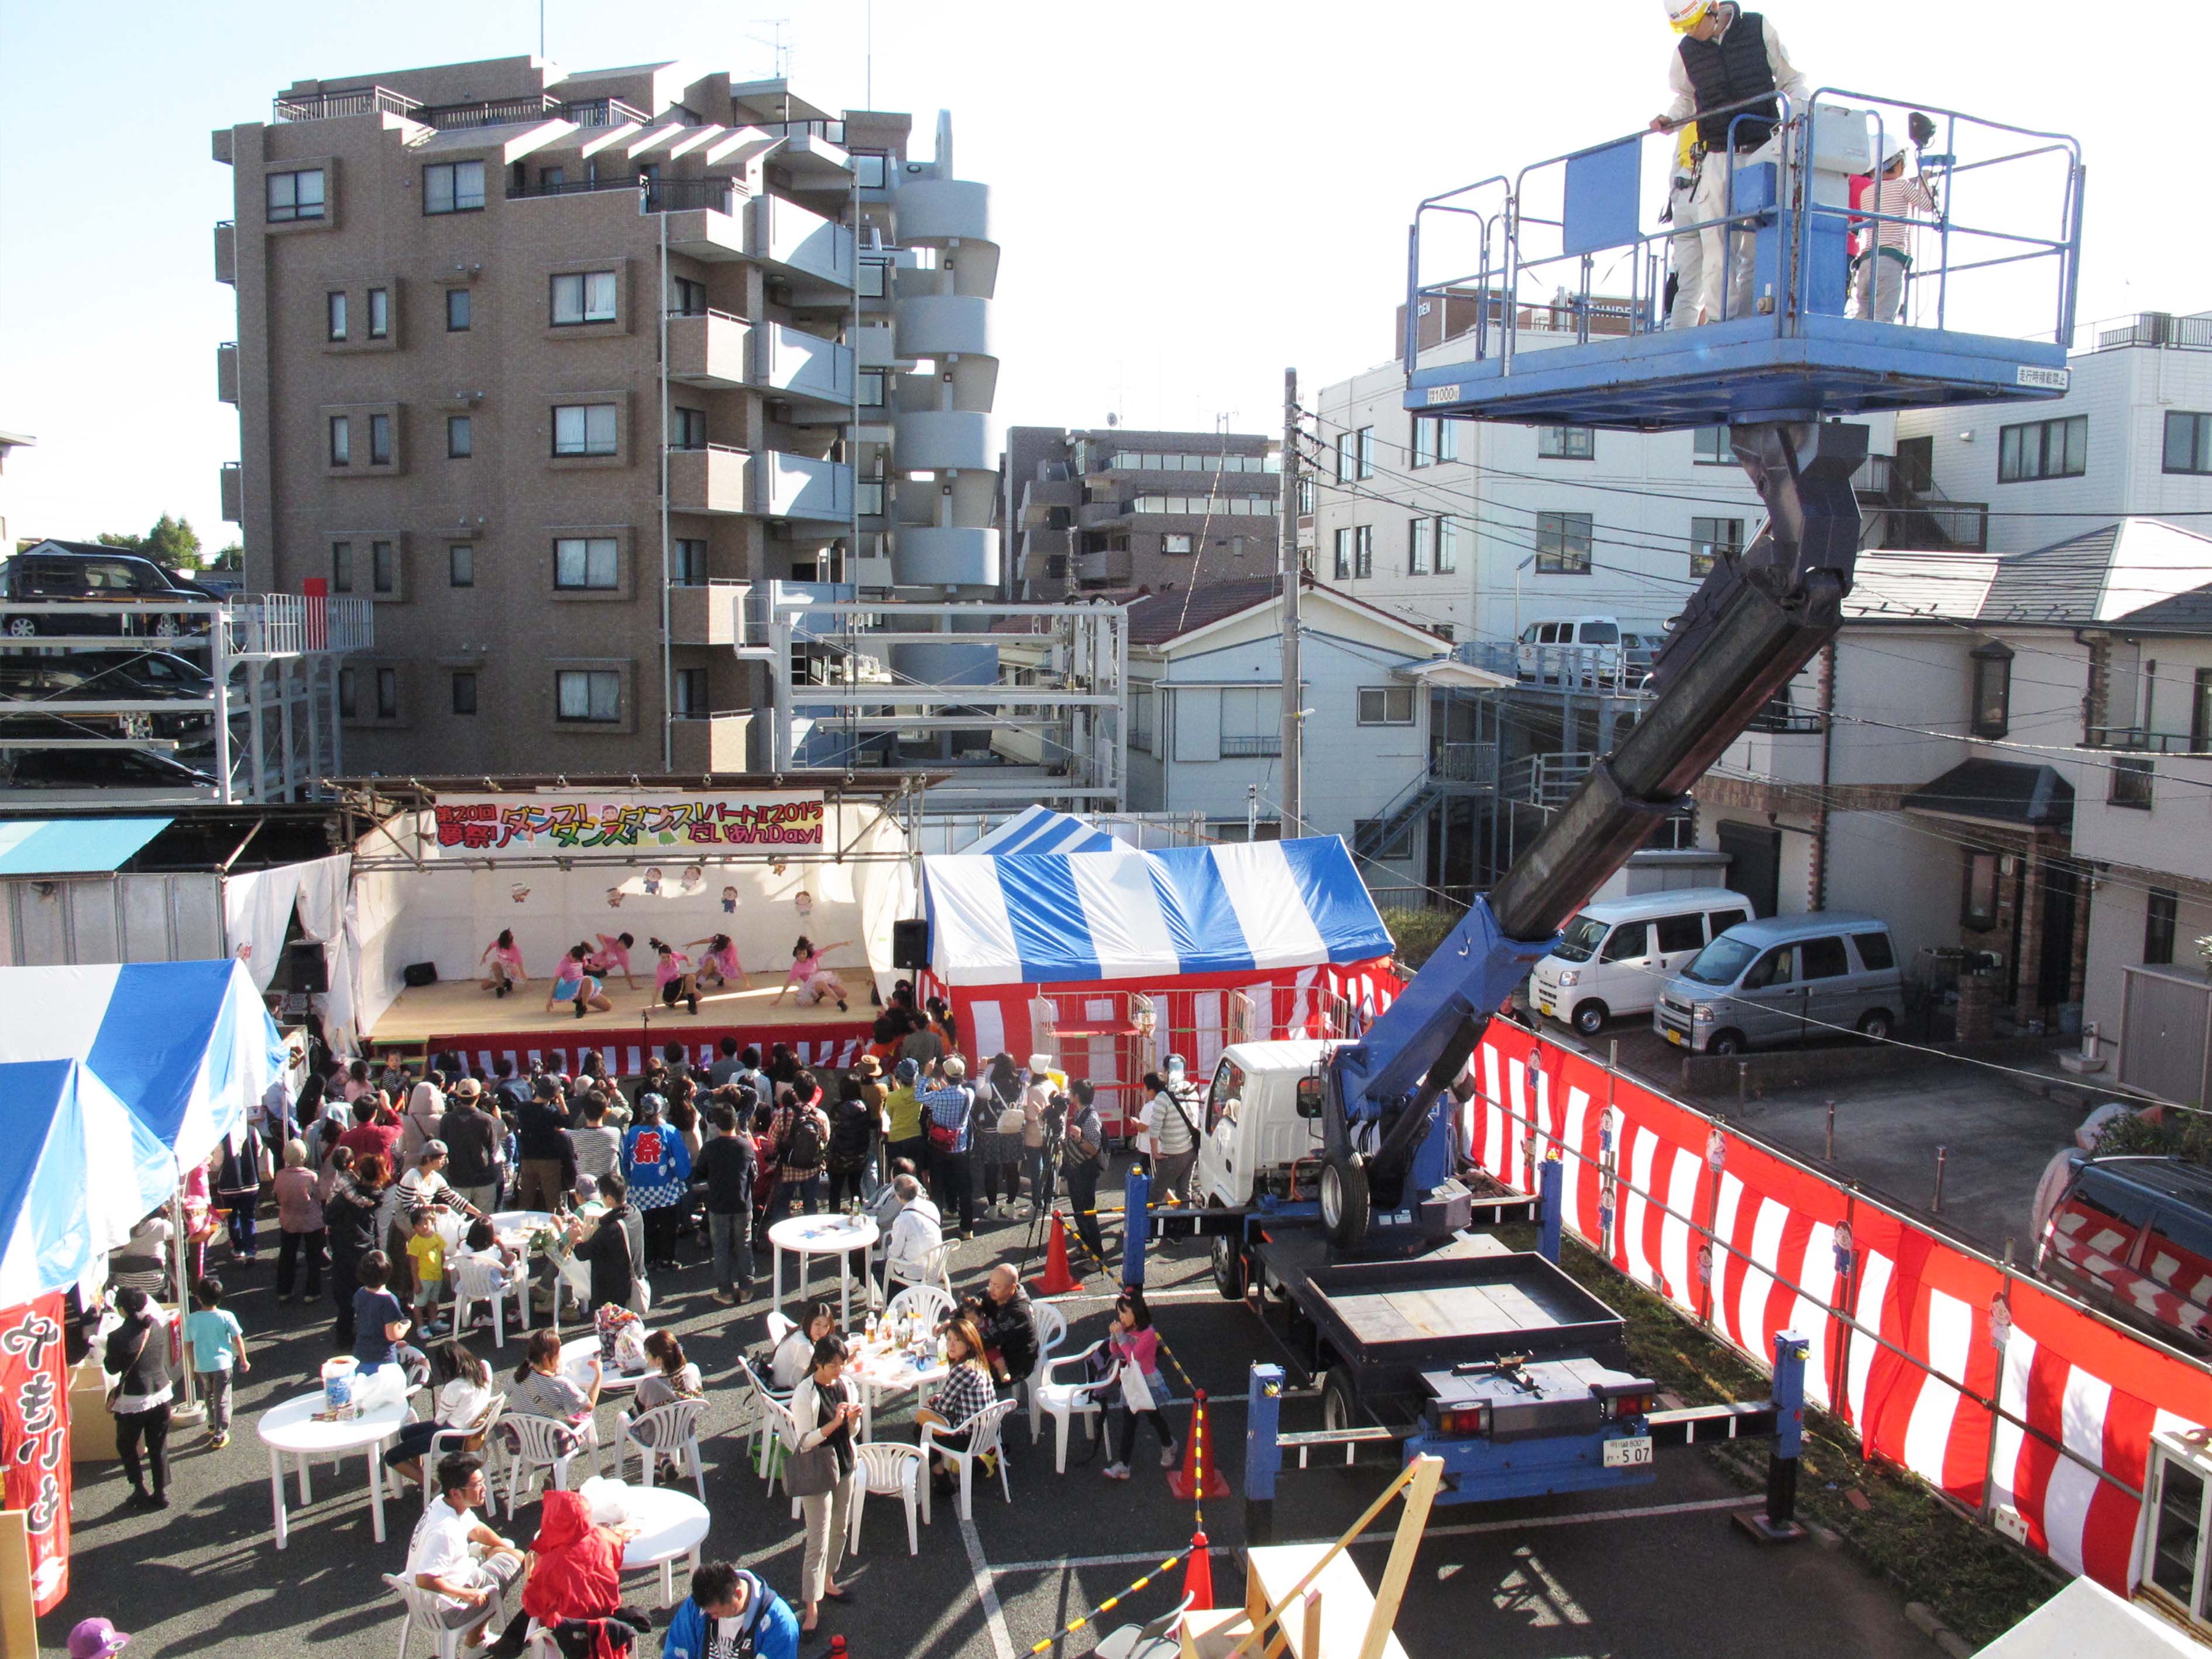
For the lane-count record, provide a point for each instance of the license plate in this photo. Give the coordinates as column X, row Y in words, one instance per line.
column 1632, row 1452
column 1544, row 1005
column 1672, row 1035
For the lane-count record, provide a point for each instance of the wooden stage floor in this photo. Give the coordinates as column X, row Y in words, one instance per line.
column 460, row 1017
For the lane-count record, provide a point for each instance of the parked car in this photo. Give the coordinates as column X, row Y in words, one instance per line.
column 53, row 682
column 1639, row 649
column 51, row 575
column 1569, row 649
column 1613, row 957
column 1775, row 980
column 2133, row 1235
column 100, row 768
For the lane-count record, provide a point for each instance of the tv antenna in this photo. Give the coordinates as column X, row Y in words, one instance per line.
column 778, row 44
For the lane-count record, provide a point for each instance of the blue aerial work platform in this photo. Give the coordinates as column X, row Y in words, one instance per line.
column 1522, row 335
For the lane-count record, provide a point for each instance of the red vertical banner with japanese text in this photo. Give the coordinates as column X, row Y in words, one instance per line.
column 34, row 1441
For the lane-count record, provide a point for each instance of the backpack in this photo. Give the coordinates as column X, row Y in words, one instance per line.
column 802, row 1143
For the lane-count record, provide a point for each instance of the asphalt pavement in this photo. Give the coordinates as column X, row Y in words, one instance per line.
column 1656, row 1571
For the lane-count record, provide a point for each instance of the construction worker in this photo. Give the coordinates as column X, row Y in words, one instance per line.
column 1686, row 254
column 1884, row 259
column 1726, row 56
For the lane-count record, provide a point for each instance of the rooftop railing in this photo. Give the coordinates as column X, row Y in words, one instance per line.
column 479, row 112
column 343, row 101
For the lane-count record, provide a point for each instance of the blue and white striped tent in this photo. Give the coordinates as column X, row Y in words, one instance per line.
column 62, row 1207
column 1002, row 918
column 184, row 1048
column 1041, row 829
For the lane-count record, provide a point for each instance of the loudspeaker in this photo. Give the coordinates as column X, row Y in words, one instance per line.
column 305, row 968
column 910, row 944
column 419, row 973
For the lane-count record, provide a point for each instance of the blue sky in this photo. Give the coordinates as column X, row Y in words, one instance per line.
column 1191, row 195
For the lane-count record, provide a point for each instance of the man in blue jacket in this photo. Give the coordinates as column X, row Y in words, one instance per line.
column 731, row 1614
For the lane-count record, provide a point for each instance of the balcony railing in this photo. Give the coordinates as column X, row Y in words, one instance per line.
column 2136, row 740
column 1267, row 743
column 1463, row 763
column 2153, row 328
column 480, row 113
column 348, row 100
column 679, row 195
column 1546, row 780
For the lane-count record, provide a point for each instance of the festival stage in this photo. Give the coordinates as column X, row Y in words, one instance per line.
column 459, row 1017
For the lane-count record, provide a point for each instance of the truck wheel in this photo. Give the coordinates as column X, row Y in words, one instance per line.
column 1229, row 1269
column 1344, row 1203
column 1340, row 1405
column 1590, row 1017
column 1725, row 1042
column 1877, row 1025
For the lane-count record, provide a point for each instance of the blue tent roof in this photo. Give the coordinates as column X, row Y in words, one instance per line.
column 72, row 847
column 67, row 1196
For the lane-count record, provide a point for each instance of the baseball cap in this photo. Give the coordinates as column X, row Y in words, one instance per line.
column 95, row 1638
column 906, row 1071
column 433, row 1149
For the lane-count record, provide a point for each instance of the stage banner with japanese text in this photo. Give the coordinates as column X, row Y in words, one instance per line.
column 34, row 1441
column 621, row 823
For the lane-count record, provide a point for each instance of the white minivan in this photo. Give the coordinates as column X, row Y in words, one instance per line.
column 1569, row 649
column 1613, row 957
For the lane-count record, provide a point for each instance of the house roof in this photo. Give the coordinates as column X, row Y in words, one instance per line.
column 1163, row 618
column 1999, row 792
column 2137, row 573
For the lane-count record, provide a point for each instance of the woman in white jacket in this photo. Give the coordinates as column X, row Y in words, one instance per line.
column 828, row 1415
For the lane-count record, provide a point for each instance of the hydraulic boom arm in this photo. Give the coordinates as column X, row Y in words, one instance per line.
column 1756, row 622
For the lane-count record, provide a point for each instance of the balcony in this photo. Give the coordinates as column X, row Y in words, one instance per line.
column 529, row 109
column 1252, row 747
column 718, row 613
column 2134, row 739
column 709, row 480
column 233, row 493
column 226, row 250
column 700, row 743
column 947, row 555
column 1545, row 779
column 226, row 371
column 871, row 573
column 877, row 347
column 1109, row 569
column 1463, row 763
column 945, row 440
column 806, row 367
column 793, row 487
column 1093, row 515
column 343, row 101
column 814, row 254
column 711, row 348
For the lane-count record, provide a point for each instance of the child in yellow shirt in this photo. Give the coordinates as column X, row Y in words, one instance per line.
column 426, row 1250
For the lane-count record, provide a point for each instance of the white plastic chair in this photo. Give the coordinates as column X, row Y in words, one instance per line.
column 1051, row 1327
column 535, row 1443
column 1059, row 1400
column 779, row 1325
column 786, row 1430
column 888, row 1469
column 672, row 1428
column 1155, row 1640
column 477, row 1279
column 988, row 1426
column 934, row 1268
column 771, row 1415
column 422, row 1607
column 457, row 1439
column 925, row 1304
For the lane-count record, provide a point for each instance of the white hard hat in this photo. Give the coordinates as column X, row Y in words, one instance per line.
column 1684, row 15
column 1892, row 154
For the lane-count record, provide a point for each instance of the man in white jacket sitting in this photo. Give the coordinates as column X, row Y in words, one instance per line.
column 916, row 1231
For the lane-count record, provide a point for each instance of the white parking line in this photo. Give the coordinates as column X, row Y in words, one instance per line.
column 994, row 1617
column 1464, row 1529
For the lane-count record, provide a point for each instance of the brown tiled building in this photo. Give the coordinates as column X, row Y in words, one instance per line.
column 485, row 310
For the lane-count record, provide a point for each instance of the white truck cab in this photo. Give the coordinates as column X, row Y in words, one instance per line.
column 1263, row 1114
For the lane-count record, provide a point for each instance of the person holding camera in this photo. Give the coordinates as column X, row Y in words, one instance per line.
column 1082, row 1158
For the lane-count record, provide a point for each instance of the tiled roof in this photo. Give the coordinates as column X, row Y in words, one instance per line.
column 1156, row 618
column 2000, row 792
column 2141, row 572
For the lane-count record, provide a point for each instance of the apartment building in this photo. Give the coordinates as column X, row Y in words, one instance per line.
column 566, row 373
column 2132, row 437
column 9, row 442
column 2008, row 753
column 1096, row 511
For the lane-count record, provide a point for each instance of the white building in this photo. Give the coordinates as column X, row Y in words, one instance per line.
column 9, row 441
column 1206, row 674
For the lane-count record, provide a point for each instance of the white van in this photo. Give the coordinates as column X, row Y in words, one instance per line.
column 1614, row 958
column 1569, row 648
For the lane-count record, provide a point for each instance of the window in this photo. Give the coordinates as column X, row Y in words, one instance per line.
column 1824, row 958
column 2188, row 443
column 464, row 692
column 585, row 563
column 1306, row 493
column 1448, row 534
column 341, row 441
column 460, row 564
column 387, row 694
column 688, row 568
column 550, row 179
column 1630, row 942
column 1364, row 450
column 1712, row 537
column 2200, row 711
column 1562, row 543
column 293, row 195
column 872, row 278
column 1178, row 542
column 1386, row 705
column 869, row 497
column 1251, row 723
column 2044, row 449
column 1979, row 910
column 1992, row 667
column 341, row 567
column 460, row 437
column 690, row 690
column 583, row 428
column 380, row 441
column 335, row 303
column 1419, row 534
column 2162, row 920
column 454, row 187
column 2131, row 782
column 1709, row 447
column 383, row 567
column 687, row 296
column 590, row 695
column 1141, row 721
column 687, row 429
column 871, row 389
column 1348, row 457
column 1566, row 443
column 380, row 313
column 869, row 170
column 1685, row 932
column 1398, row 846
column 1343, row 555
column 457, row 311
column 583, row 296
column 1875, row 951
column 1434, row 439
column 1363, row 550
column 347, row 694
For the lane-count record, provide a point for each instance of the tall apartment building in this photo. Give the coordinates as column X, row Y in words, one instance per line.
column 564, row 373
column 1112, row 509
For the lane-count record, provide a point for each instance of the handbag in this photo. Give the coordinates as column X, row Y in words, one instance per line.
column 813, row 1471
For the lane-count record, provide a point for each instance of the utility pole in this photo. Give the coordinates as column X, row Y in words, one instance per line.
column 1293, row 570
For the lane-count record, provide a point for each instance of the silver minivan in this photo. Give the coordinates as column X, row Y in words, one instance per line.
column 1823, row 975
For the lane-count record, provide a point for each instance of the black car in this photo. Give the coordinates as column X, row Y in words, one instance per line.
column 54, row 682
column 77, row 574
column 89, row 768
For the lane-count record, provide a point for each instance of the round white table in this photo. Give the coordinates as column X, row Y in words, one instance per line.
column 669, row 1523
column 807, row 1236
column 291, row 1428
column 576, row 1356
column 889, row 1373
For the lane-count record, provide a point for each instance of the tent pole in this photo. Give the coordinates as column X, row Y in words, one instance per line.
column 188, row 1409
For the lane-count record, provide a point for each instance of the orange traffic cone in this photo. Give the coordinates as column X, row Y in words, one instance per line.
column 1057, row 1281
column 1198, row 1477
column 1198, row 1575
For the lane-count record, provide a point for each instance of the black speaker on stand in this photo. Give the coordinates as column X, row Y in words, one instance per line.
column 305, row 969
column 910, row 945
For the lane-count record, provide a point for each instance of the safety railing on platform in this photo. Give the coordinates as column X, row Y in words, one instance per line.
column 1575, row 244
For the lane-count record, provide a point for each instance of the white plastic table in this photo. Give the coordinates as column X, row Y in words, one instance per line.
column 807, row 1236
column 576, row 1356
column 669, row 1523
column 888, row 1373
column 291, row 1428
